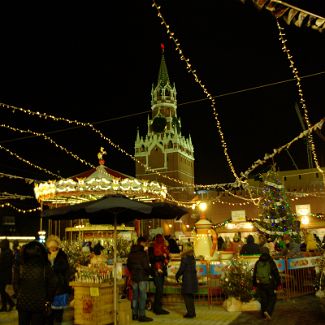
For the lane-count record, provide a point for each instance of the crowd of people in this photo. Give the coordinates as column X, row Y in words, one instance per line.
column 285, row 245
column 150, row 260
column 39, row 275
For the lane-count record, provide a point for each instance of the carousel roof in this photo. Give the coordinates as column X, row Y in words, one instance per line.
column 91, row 172
column 94, row 184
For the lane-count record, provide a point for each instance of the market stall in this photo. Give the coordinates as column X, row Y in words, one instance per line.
column 94, row 186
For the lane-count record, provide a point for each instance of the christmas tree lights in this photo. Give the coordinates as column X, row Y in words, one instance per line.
column 277, row 218
column 237, row 280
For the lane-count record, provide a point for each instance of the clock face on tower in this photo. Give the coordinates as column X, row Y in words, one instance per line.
column 159, row 124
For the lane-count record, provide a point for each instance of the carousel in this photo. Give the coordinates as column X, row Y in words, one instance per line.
column 92, row 185
column 96, row 289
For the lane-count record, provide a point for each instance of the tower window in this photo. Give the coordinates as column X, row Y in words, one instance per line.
column 299, row 176
column 317, row 176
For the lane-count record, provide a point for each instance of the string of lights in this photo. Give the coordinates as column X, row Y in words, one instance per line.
column 28, row 162
column 178, row 105
column 47, row 138
column 201, row 84
column 230, row 203
column 12, row 196
column 7, row 204
column 267, row 157
column 209, row 186
column 89, row 125
column 295, row 72
column 27, row 180
column 240, row 180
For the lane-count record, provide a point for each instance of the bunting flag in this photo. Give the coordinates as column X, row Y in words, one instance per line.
column 292, row 14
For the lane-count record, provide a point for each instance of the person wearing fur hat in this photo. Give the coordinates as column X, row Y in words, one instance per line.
column 60, row 265
column 187, row 271
column 159, row 258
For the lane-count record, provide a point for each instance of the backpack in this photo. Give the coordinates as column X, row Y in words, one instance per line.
column 263, row 272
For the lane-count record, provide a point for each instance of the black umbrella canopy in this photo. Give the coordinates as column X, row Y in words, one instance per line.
column 158, row 210
column 108, row 207
column 70, row 212
column 117, row 208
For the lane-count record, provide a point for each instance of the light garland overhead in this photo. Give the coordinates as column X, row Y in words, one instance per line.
column 13, row 196
column 241, row 180
column 206, row 186
column 28, row 162
column 6, row 205
column 98, row 132
column 27, row 180
column 218, row 201
column 302, row 101
column 259, row 162
column 47, row 138
column 171, row 34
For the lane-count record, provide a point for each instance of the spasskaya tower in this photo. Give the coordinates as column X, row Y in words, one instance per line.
column 164, row 149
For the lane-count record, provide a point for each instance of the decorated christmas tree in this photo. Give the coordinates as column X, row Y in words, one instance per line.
column 276, row 218
column 237, row 280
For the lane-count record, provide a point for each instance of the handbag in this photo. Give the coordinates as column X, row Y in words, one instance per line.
column 60, row 301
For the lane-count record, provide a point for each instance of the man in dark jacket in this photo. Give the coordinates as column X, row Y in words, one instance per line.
column 250, row 248
column 6, row 264
column 187, row 271
column 34, row 283
column 139, row 269
column 266, row 289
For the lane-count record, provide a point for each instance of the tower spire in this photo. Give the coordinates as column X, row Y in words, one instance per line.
column 163, row 77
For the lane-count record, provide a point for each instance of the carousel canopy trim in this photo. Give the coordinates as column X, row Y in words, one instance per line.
column 98, row 183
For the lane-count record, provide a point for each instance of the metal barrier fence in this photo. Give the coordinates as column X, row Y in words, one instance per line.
column 297, row 278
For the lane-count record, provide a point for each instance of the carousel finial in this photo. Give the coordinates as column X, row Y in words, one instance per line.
column 100, row 155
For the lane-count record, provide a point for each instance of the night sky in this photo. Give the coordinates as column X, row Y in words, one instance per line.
column 96, row 62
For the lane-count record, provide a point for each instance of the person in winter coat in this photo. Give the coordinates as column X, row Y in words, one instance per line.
column 6, row 264
column 159, row 260
column 34, row 284
column 266, row 289
column 139, row 270
column 187, row 271
column 60, row 265
column 250, row 248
